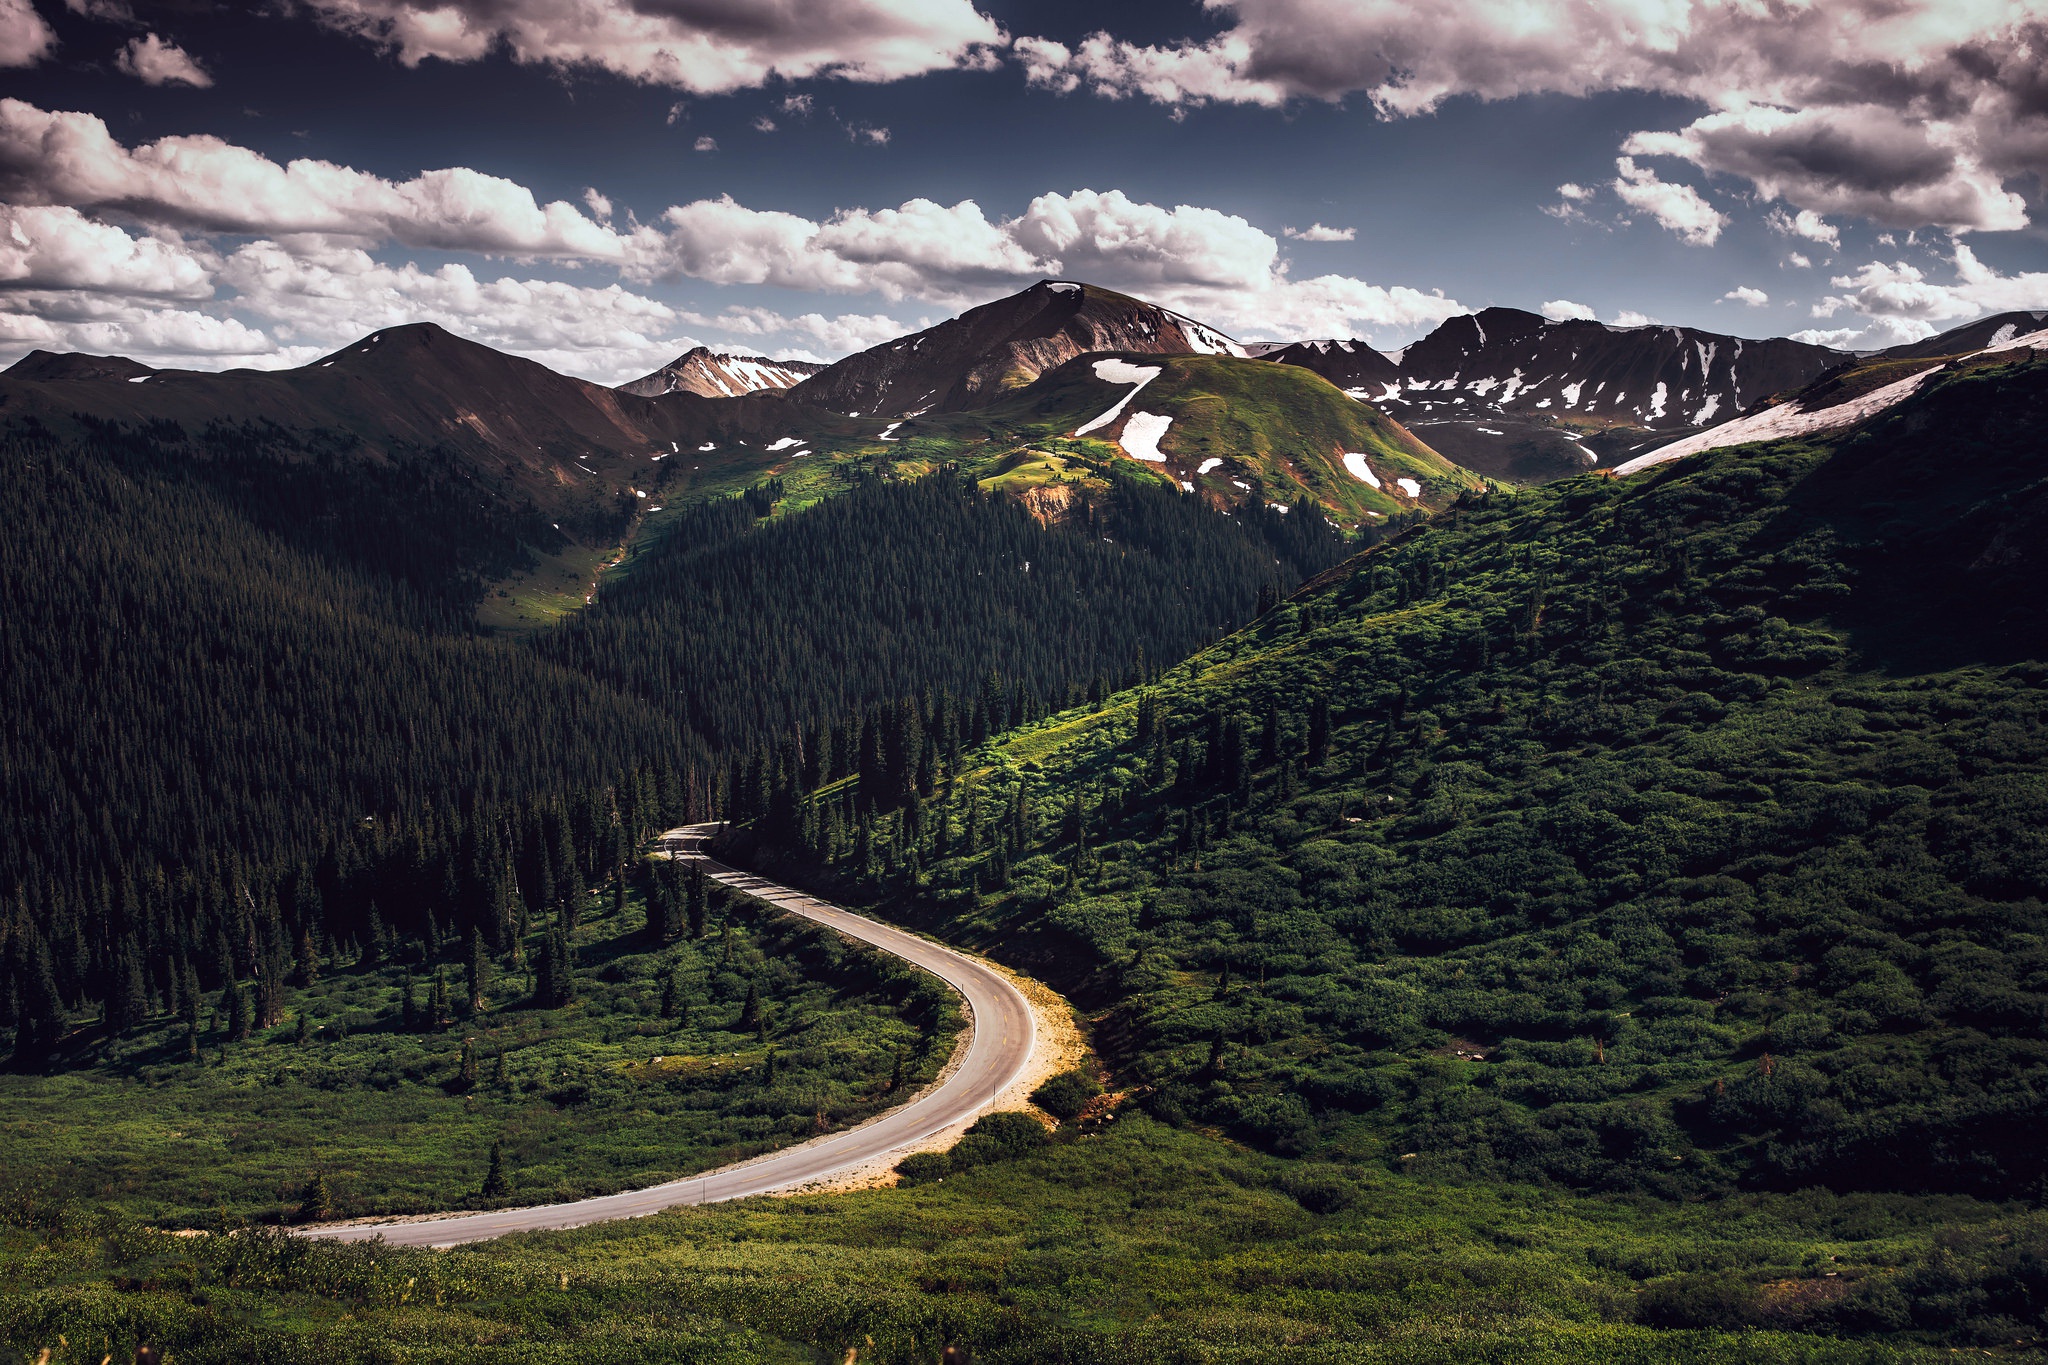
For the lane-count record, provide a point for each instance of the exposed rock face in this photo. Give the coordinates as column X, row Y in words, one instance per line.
column 714, row 374
column 987, row 351
column 1661, row 378
column 1521, row 397
column 1972, row 336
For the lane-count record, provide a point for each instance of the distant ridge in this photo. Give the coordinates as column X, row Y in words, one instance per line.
column 717, row 374
column 984, row 353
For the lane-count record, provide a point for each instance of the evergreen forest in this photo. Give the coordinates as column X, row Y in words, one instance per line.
column 1606, row 922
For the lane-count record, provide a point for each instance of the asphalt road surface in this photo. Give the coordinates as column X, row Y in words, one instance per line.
column 998, row 1053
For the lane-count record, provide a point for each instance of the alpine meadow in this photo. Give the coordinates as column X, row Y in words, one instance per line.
column 941, row 681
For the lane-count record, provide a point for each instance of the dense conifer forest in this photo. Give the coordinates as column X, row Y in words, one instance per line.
column 249, row 726
column 1601, row 924
column 1680, row 834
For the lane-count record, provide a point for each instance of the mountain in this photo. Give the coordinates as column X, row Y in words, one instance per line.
column 1233, row 430
column 975, row 358
column 714, row 374
column 562, row 465
column 1676, row 834
column 1521, row 397
column 1862, row 390
column 49, row 366
column 1971, row 336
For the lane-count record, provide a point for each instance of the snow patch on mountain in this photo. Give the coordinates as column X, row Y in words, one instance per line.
column 1141, row 435
column 1119, row 372
column 1355, row 465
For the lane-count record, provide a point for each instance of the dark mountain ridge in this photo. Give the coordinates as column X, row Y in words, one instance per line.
column 1517, row 395
column 987, row 351
column 719, row 374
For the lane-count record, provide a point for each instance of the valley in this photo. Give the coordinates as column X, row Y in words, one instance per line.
column 1581, row 903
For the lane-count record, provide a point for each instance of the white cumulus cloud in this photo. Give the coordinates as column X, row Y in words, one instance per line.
column 1914, row 112
column 704, row 47
column 1678, row 207
column 207, row 184
column 1742, row 293
column 1564, row 310
column 1316, row 232
column 25, row 38
column 153, row 61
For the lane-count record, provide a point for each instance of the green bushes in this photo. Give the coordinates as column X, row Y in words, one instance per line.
column 1673, row 834
column 1065, row 1095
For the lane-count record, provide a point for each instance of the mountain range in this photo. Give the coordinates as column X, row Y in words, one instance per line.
column 715, row 374
column 1043, row 393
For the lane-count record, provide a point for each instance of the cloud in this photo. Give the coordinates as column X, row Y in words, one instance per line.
column 703, row 46
column 1629, row 317
column 837, row 336
column 706, row 144
column 330, row 297
column 1742, row 293
column 209, row 185
column 797, row 106
column 153, row 61
column 877, row 136
column 1875, row 335
column 160, row 336
column 1900, row 302
column 1564, row 310
column 764, row 124
column 1678, row 207
column 58, row 248
column 164, row 215
column 922, row 249
column 1806, row 223
column 1822, row 104
column 1316, row 232
column 25, row 38
column 1874, row 162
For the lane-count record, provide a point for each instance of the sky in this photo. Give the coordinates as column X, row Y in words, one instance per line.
column 601, row 184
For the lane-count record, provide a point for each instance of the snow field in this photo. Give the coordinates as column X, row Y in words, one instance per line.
column 1119, row 372
column 1141, row 436
column 1355, row 464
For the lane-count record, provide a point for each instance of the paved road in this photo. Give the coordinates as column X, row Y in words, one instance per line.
column 999, row 1052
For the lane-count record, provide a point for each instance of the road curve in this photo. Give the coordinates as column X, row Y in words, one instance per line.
column 997, row 1054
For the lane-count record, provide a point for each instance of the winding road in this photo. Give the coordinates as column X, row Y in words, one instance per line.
column 997, row 1054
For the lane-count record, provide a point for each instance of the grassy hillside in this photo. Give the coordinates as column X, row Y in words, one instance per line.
column 1680, row 834
column 658, row 1066
column 1139, row 1245
column 1277, row 434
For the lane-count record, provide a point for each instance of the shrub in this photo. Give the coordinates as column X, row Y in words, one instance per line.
column 1064, row 1096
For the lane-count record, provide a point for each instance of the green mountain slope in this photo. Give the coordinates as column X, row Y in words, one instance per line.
column 1670, row 834
column 1241, row 431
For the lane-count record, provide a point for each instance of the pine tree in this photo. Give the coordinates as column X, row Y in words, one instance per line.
column 41, row 1022
column 669, row 993
column 466, row 1072
column 476, row 973
column 127, row 1001
column 496, row 1186
column 697, row 903
column 1318, row 732
column 241, row 1014
column 750, row 1012
column 438, row 1013
column 318, row 1204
